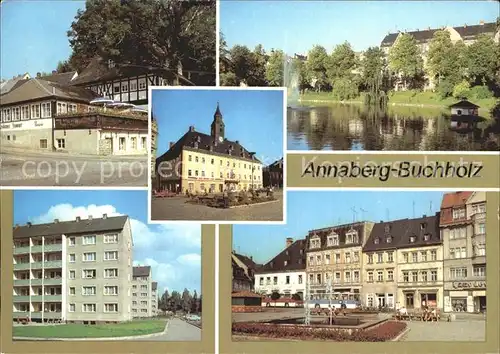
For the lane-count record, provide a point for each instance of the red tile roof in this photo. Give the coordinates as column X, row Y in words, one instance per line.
column 245, row 293
column 455, row 199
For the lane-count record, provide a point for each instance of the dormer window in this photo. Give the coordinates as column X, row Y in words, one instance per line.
column 285, row 263
column 286, row 252
column 111, row 64
column 351, row 237
column 376, row 241
column 315, row 242
column 388, row 239
column 333, row 240
column 272, row 264
column 195, row 145
column 412, row 239
column 427, row 237
column 422, row 226
column 458, row 213
column 387, row 228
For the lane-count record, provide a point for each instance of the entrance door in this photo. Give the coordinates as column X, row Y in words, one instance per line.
column 409, row 301
column 191, row 187
column 381, row 300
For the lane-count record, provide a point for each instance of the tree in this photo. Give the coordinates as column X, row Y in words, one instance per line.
column 316, row 66
column 299, row 66
column 195, row 304
column 441, row 60
column 175, row 301
column 64, row 66
column 157, row 33
column 187, row 301
column 259, row 58
column 163, row 304
column 482, row 60
column 341, row 62
column 405, row 59
column 462, row 90
column 228, row 79
column 344, row 89
column 275, row 296
column 200, row 303
column 275, row 67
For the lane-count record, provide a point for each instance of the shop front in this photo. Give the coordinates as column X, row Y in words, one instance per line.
column 465, row 296
column 418, row 298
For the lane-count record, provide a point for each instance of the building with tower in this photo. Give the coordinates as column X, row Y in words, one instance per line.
column 201, row 163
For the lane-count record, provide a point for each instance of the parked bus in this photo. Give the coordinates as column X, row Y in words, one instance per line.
column 337, row 304
column 284, row 302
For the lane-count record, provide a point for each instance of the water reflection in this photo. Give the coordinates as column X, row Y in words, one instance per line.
column 354, row 127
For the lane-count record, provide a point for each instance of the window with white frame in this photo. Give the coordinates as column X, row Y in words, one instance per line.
column 390, row 275
column 142, row 84
column 72, row 307
column 72, row 241
column 111, row 273
column 458, row 213
column 479, row 270
column 113, row 238
column 89, row 257
column 351, row 237
column 89, row 308
column 380, row 275
column 370, row 276
column 458, row 273
column 25, row 112
column 333, row 240
column 72, row 108
column 72, row 274
column 89, row 273
column 356, row 276
column 72, row 290
column 111, row 290
column 348, row 257
column 61, row 143
column 88, row 290
column 72, row 257
column 121, row 143
column 347, row 277
column 62, row 108
column 89, row 240
column 111, row 255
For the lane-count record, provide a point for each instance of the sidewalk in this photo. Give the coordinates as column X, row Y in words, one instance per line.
column 21, row 151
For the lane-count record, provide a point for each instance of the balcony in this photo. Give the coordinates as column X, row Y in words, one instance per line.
column 36, row 249
column 479, row 216
column 36, row 298
column 36, row 315
column 52, row 281
column 20, row 314
column 52, row 315
column 21, row 266
column 37, row 281
column 53, row 264
column 21, row 250
column 52, row 298
column 20, row 298
column 53, row 248
column 21, row 282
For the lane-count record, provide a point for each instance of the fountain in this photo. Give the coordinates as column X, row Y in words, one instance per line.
column 291, row 82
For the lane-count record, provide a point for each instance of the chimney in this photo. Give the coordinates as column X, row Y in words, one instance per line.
column 53, row 90
column 28, row 224
column 424, row 216
column 78, row 219
column 251, row 258
column 54, row 72
column 56, row 221
column 237, row 141
column 465, row 25
column 171, row 144
column 289, row 241
column 104, row 216
column 191, row 128
column 38, row 74
column 481, row 22
column 90, row 217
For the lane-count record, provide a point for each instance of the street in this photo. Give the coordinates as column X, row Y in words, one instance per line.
column 177, row 330
column 177, row 209
column 22, row 168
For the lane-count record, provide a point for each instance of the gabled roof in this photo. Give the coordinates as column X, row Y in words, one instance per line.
column 141, row 271
column 247, row 261
column 455, row 199
column 205, row 142
column 9, row 85
column 427, row 34
column 464, row 104
column 278, row 164
column 98, row 70
column 36, row 89
column 60, row 78
column 401, row 231
column 294, row 256
column 113, row 223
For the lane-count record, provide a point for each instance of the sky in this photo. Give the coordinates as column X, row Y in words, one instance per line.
column 307, row 210
column 296, row 26
column 253, row 117
column 33, row 35
column 172, row 250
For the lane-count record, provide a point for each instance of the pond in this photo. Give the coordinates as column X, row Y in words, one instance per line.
column 355, row 127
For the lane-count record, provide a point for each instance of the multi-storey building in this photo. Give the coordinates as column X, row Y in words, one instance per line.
column 154, row 299
column 73, row 271
column 334, row 259
column 199, row 163
column 466, row 33
column 285, row 273
column 154, row 135
column 379, row 263
column 419, row 258
column 463, row 229
column 273, row 174
column 244, row 269
column 142, row 289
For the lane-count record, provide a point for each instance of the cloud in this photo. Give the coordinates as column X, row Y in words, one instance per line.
column 172, row 250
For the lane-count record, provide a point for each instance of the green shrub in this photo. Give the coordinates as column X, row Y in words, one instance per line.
column 344, row 89
column 444, row 89
column 462, row 90
column 481, row 92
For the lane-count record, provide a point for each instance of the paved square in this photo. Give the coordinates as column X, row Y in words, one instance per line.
column 177, row 209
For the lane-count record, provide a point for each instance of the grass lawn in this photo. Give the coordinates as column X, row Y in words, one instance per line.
column 427, row 98
column 133, row 328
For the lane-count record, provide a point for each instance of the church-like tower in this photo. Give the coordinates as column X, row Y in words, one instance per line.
column 217, row 127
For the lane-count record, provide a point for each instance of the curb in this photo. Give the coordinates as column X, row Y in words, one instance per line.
column 101, row 339
column 401, row 335
column 249, row 205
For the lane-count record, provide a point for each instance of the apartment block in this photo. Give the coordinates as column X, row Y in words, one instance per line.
column 142, row 292
column 463, row 229
column 154, row 299
column 334, row 260
column 73, row 271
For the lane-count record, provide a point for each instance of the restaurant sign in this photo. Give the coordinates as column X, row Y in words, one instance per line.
column 469, row 285
column 27, row 125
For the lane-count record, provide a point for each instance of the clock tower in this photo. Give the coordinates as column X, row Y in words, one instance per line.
column 217, row 127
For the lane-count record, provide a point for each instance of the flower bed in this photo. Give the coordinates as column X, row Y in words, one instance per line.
column 216, row 201
column 382, row 333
